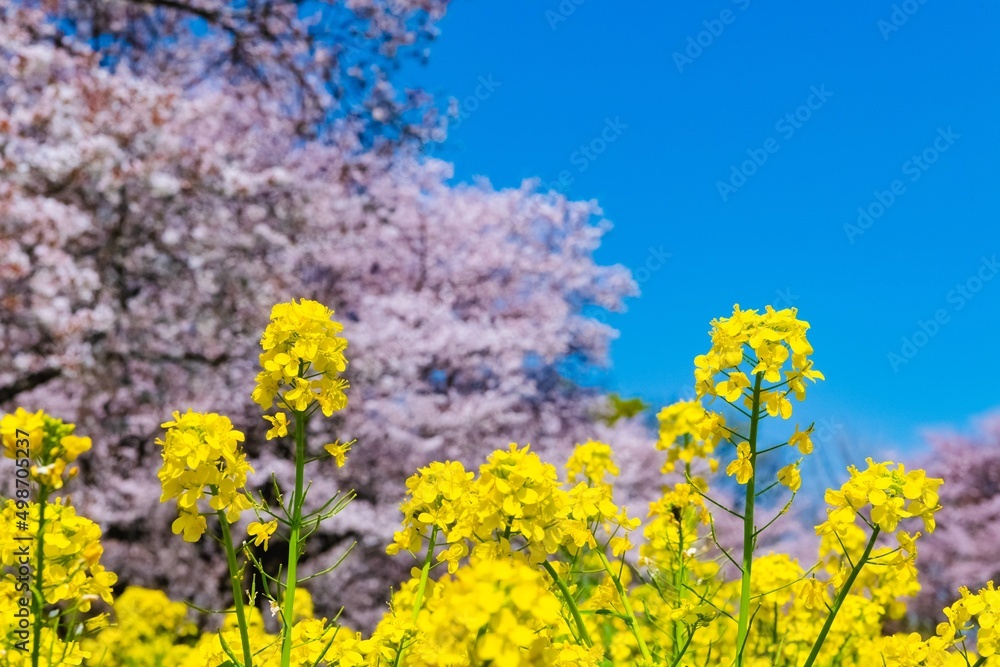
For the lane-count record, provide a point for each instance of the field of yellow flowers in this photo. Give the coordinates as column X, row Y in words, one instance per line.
column 518, row 563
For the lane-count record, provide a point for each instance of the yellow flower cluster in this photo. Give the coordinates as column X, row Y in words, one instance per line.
column 772, row 338
column 972, row 619
column 792, row 607
column 503, row 610
column 150, row 629
column 506, row 611
column 498, row 613
column 153, row 631
column 51, row 445
column 890, row 579
column 50, row 570
column 674, row 531
column 756, row 361
column 72, row 552
column 21, row 419
column 984, row 608
column 687, row 432
column 437, row 496
column 396, row 628
column 789, row 608
column 202, row 456
column 888, row 491
column 314, row 642
column 911, row 650
column 591, row 462
column 538, row 566
column 55, row 650
column 516, row 497
column 518, row 494
column 302, row 359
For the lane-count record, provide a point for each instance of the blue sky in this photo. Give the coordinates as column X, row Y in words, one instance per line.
column 741, row 138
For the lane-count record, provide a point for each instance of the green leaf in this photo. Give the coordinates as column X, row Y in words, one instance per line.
column 623, row 408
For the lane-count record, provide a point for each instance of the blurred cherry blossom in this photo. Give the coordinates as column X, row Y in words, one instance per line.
column 147, row 225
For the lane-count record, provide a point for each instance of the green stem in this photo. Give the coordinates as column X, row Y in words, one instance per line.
column 679, row 576
column 235, row 580
column 845, row 589
column 295, row 527
column 418, row 602
column 632, row 620
column 570, row 602
column 680, row 655
column 743, row 624
column 425, row 572
column 38, row 599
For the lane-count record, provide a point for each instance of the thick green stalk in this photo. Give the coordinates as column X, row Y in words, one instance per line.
column 570, row 602
column 748, row 527
column 295, row 528
column 844, row 591
column 234, row 579
column 632, row 620
column 37, row 599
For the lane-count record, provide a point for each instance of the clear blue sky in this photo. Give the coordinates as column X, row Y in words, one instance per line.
column 905, row 101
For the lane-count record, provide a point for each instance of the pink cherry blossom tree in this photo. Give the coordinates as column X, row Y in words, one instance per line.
column 313, row 62
column 148, row 223
column 963, row 550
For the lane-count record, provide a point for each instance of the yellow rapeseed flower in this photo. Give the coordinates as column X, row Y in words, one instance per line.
column 890, row 494
column 790, row 476
column 765, row 342
column 51, row 445
column 687, row 432
column 261, row 532
column 338, row 450
column 279, row 426
column 202, row 458
column 302, row 360
column 741, row 466
column 591, row 462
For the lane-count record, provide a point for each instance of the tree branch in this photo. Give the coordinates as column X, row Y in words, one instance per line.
column 208, row 15
column 28, row 382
